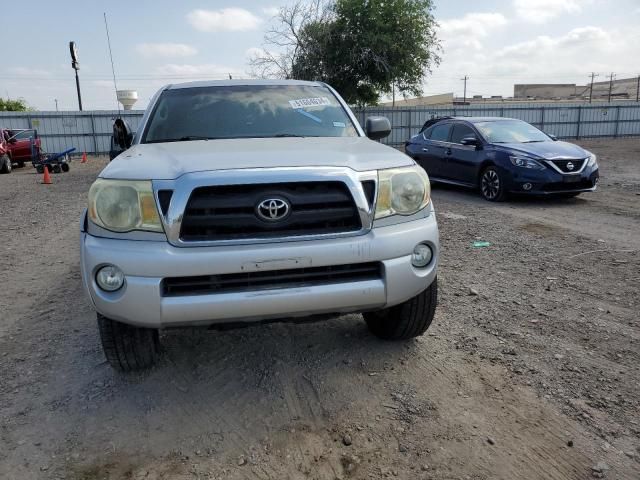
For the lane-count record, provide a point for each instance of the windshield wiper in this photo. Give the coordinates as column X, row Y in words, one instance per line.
column 534, row 141
column 186, row 138
column 282, row 135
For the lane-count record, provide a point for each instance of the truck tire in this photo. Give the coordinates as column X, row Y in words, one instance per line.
column 407, row 320
column 5, row 164
column 126, row 347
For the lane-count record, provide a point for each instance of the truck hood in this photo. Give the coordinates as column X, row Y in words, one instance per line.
column 548, row 150
column 167, row 161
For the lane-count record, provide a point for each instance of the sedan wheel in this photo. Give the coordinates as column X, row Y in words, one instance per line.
column 5, row 164
column 491, row 185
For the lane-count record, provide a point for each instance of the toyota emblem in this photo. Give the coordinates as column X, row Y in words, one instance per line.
column 273, row 209
column 570, row 166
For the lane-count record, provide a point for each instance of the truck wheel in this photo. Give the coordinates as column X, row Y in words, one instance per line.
column 407, row 320
column 126, row 347
column 5, row 164
column 65, row 167
column 56, row 169
column 39, row 169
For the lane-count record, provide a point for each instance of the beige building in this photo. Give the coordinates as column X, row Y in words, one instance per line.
column 442, row 99
column 624, row 88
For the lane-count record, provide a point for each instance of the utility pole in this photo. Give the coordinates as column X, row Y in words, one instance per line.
column 56, row 100
column 611, row 77
column 638, row 90
column 464, row 97
column 73, row 49
column 593, row 75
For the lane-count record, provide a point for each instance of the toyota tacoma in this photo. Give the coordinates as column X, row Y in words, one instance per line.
column 253, row 201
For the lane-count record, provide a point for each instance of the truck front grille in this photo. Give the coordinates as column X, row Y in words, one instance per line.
column 270, row 280
column 230, row 212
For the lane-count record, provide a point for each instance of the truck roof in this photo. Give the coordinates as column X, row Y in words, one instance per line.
column 228, row 83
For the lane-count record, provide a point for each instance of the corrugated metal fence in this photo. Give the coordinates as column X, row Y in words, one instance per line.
column 572, row 121
column 91, row 131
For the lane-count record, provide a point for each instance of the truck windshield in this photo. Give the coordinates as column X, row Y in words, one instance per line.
column 510, row 131
column 247, row 111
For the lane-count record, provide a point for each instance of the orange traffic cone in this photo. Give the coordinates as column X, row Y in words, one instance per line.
column 84, row 157
column 46, row 180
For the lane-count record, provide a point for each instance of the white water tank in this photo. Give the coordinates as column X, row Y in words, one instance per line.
column 127, row 98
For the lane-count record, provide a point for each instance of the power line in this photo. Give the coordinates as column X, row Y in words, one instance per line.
column 113, row 70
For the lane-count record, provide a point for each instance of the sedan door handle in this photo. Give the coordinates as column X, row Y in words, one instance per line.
column 448, row 151
column 425, row 149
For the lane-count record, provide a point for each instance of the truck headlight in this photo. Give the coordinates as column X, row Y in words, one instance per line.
column 402, row 191
column 123, row 205
column 525, row 162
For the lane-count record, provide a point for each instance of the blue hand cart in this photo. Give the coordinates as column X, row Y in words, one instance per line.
column 54, row 162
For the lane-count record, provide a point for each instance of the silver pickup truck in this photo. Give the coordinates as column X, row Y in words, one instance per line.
column 253, row 201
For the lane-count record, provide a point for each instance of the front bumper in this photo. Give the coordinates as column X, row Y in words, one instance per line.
column 145, row 263
column 549, row 182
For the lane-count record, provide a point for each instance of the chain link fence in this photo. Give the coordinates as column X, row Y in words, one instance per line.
column 90, row 131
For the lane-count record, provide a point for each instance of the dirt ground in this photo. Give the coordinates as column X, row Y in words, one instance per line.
column 531, row 369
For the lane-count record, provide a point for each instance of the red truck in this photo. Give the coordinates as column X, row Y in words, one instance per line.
column 17, row 146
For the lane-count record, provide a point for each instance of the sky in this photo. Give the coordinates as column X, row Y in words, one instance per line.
column 495, row 42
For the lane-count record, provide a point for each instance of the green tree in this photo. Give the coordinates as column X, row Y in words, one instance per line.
column 18, row 105
column 364, row 48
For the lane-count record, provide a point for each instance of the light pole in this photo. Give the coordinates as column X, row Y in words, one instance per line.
column 73, row 49
column 56, row 100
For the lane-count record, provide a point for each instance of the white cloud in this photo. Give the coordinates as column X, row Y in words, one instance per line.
column 271, row 11
column 473, row 23
column 467, row 32
column 189, row 71
column 224, row 20
column 540, row 11
column 564, row 58
column 165, row 50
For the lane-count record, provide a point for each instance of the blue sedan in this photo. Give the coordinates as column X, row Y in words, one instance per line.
column 501, row 156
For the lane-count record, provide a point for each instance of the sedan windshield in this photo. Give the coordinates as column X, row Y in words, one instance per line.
column 247, row 111
column 510, row 131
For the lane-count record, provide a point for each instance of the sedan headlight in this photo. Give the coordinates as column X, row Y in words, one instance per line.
column 124, row 205
column 402, row 191
column 592, row 160
column 526, row 162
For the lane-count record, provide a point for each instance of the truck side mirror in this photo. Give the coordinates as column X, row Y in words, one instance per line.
column 122, row 135
column 377, row 127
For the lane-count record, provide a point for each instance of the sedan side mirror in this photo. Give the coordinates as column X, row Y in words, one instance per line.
column 470, row 141
column 377, row 127
column 122, row 135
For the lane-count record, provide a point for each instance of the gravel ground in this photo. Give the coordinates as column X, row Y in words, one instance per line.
column 530, row 370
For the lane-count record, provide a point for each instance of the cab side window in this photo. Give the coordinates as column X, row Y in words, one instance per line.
column 440, row 133
column 460, row 131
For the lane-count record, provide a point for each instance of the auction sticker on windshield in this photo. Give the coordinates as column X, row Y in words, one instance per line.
column 309, row 102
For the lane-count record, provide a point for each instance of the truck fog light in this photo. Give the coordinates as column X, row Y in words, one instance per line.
column 526, row 186
column 110, row 278
column 422, row 255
